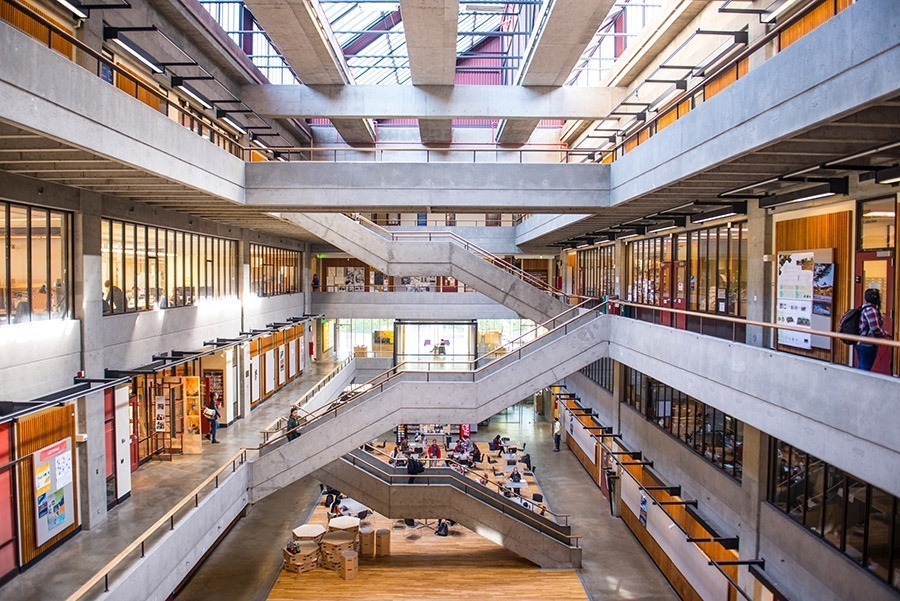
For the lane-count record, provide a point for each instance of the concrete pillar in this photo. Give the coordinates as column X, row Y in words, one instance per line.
column 88, row 296
column 760, row 234
column 621, row 266
column 753, row 485
column 306, row 283
column 243, row 283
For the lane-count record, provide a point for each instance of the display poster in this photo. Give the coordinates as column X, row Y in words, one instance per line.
column 159, row 408
column 354, row 279
column 805, row 297
column 192, row 442
column 465, row 430
column 290, row 352
column 269, row 371
column 282, row 364
column 215, row 383
column 54, row 490
column 577, row 432
column 254, row 379
column 327, row 334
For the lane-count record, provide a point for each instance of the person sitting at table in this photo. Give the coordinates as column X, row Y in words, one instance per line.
column 476, row 454
column 404, row 445
column 460, row 447
column 335, row 509
column 515, row 476
column 434, row 451
column 398, row 458
column 495, row 444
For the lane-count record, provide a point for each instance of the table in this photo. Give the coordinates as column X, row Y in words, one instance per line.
column 507, row 469
column 508, row 456
column 516, row 485
column 460, row 456
column 309, row 532
column 344, row 522
column 351, row 507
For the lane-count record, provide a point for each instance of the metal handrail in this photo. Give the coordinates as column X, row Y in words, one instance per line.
column 500, row 486
column 471, row 247
column 103, row 574
column 527, row 516
column 388, row 375
column 762, row 324
column 276, row 426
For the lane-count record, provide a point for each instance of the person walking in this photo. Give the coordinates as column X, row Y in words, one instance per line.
column 211, row 412
column 293, row 424
column 869, row 325
column 557, row 433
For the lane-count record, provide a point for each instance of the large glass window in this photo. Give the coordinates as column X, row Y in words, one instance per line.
column 274, row 271
column 856, row 518
column 147, row 267
column 35, row 264
column 716, row 436
column 877, row 224
column 596, row 271
column 601, row 372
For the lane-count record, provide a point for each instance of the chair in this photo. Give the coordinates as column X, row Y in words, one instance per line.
column 363, row 514
column 329, row 500
column 523, row 445
column 491, row 461
column 537, row 498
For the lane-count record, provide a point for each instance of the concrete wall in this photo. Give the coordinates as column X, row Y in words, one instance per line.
column 409, row 305
column 259, row 311
column 38, row 358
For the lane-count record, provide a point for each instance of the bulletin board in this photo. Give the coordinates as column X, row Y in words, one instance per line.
column 54, row 493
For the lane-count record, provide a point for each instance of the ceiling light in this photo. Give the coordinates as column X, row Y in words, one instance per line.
column 864, row 153
column 730, row 210
column 661, row 228
column 188, row 90
column 880, row 214
column 75, row 8
column 835, row 186
column 259, row 143
column 888, row 176
column 771, row 16
column 223, row 116
column 114, row 34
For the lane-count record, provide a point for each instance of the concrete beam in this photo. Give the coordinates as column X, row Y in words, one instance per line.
column 436, row 132
column 302, row 34
column 451, row 187
column 431, row 28
column 435, row 102
column 560, row 38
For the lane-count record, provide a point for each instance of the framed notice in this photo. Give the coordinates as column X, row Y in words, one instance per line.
column 159, row 409
column 804, row 297
column 54, row 491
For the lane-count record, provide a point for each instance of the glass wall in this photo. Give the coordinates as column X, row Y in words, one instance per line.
column 713, row 261
column 601, row 372
column 596, row 271
column 505, row 335
column 274, row 271
column 716, row 436
column 424, row 345
column 364, row 337
column 148, row 267
column 35, row 270
column 858, row 519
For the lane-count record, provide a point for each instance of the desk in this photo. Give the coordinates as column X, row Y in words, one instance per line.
column 344, row 522
column 508, row 456
column 460, row 456
column 516, row 485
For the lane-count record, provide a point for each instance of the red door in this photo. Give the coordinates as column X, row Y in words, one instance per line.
column 679, row 293
column 134, row 455
column 875, row 269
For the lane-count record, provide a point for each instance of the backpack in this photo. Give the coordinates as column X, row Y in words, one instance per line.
column 850, row 323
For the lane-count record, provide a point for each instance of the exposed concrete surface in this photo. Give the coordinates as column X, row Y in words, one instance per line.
column 409, row 305
column 431, row 28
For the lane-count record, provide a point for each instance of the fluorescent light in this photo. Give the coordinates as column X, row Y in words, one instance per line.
column 632, row 235
column 235, row 125
column 875, row 214
column 75, row 10
column 197, row 96
column 711, row 217
column 820, row 191
column 138, row 54
column 888, row 176
column 661, row 229
column 773, row 15
column 259, row 143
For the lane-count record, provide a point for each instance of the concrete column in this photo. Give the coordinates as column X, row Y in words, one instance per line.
column 306, row 282
column 621, row 265
column 88, row 295
column 243, row 284
column 760, row 234
column 753, row 485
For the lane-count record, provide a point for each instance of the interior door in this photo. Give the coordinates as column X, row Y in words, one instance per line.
column 875, row 269
column 134, row 455
column 679, row 293
column 665, row 293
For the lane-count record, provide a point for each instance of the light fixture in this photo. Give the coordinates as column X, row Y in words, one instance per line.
column 888, row 176
column 256, row 141
column 114, row 34
column 181, row 84
column 223, row 116
column 772, row 16
column 75, row 7
column 830, row 188
column 729, row 210
column 879, row 214
column 862, row 154
column 661, row 228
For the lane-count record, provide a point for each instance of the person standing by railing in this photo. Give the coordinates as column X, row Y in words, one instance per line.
column 557, row 433
column 869, row 325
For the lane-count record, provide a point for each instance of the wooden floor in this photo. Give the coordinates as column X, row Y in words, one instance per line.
column 424, row 566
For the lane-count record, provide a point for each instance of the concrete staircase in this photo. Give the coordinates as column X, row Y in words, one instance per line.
column 445, row 493
column 399, row 397
column 441, row 254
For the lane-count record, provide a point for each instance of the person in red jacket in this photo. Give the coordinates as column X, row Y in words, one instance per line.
column 434, row 451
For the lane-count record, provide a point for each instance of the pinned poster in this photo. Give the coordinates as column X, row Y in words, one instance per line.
column 54, row 490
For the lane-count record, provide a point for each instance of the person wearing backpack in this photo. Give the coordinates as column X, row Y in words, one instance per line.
column 869, row 325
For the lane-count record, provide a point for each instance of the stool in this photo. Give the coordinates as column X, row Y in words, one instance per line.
column 309, row 532
column 383, row 542
column 304, row 560
column 331, row 547
column 349, row 565
column 367, row 541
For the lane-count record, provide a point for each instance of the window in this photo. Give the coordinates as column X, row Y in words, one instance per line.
column 274, row 271
column 36, row 264
column 854, row 517
column 716, row 436
column 877, row 224
column 596, row 271
column 601, row 372
column 146, row 267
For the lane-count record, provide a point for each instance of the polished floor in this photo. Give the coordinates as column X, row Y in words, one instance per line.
column 423, row 566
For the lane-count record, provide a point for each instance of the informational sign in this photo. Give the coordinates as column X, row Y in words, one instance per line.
column 159, row 408
column 282, row 364
column 465, row 430
column 327, row 334
column 804, row 297
column 54, row 491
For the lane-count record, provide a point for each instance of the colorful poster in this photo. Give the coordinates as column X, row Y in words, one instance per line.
column 54, row 488
column 794, row 303
column 159, row 408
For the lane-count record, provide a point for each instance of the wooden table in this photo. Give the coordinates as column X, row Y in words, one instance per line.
column 310, row 532
column 344, row 523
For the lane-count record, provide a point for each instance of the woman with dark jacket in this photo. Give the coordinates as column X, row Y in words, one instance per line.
column 212, row 414
column 869, row 325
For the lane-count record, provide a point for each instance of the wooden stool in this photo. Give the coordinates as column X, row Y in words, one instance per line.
column 367, row 541
column 383, row 543
column 310, row 532
column 304, row 560
column 331, row 547
column 349, row 565
column 345, row 522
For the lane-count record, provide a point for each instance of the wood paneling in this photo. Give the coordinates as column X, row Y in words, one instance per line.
column 807, row 23
column 425, row 566
column 25, row 23
column 666, row 119
column 831, row 230
column 33, row 433
column 720, row 83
